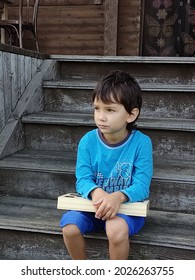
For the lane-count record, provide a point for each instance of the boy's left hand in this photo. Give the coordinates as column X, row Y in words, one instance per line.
column 108, row 205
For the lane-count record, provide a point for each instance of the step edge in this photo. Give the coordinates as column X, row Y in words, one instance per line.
column 45, row 117
column 91, row 85
column 123, row 59
column 71, row 171
column 134, row 239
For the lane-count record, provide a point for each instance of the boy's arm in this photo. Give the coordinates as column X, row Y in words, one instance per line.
column 142, row 173
column 84, row 171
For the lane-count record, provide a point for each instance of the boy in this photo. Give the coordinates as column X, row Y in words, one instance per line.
column 114, row 165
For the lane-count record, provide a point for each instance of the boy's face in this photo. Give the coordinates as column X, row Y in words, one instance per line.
column 111, row 119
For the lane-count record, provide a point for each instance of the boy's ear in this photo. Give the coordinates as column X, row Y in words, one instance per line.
column 133, row 115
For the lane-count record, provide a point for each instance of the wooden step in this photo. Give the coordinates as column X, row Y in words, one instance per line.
column 80, row 83
column 80, row 119
column 172, row 138
column 41, row 174
column 146, row 69
column 30, row 221
column 48, row 174
column 170, row 101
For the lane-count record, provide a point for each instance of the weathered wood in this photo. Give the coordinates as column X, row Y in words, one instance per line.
column 30, row 101
column 110, row 27
column 15, row 80
column 27, row 69
column 16, row 50
column 167, row 101
column 40, row 216
column 6, row 67
column 59, row 132
column 23, row 245
column 21, row 71
column 2, row 96
column 49, row 174
column 15, row 74
column 82, row 119
column 145, row 70
column 11, row 137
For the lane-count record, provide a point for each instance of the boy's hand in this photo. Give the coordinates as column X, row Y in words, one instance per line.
column 107, row 204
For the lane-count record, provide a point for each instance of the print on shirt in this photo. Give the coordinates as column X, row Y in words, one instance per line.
column 119, row 179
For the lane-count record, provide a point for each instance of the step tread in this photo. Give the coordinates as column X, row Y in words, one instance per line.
column 58, row 162
column 79, row 83
column 46, row 161
column 79, row 119
column 170, row 229
column 123, row 59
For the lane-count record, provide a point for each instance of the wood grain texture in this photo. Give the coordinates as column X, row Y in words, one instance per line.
column 87, row 27
column 162, row 230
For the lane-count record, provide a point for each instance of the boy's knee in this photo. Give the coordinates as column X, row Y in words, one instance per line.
column 70, row 231
column 116, row 230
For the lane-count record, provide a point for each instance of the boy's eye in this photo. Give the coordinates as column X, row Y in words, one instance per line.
column 110, row 110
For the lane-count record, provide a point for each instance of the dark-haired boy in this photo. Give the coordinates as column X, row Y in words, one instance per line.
column 114, row 165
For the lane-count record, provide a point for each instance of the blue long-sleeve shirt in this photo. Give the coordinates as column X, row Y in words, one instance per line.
column 125, row 167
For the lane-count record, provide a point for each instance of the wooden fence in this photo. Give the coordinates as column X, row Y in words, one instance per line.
column 16, row 71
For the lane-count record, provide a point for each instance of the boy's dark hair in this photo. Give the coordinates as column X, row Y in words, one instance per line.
column 120, row 87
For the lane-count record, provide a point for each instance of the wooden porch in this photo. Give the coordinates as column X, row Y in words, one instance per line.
column 45, row 109
column 112, row 27
column 87, row 27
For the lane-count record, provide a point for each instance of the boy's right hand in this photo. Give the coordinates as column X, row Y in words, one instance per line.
column 107, row 205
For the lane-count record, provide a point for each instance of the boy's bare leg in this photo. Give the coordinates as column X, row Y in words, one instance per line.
column 118, row 237
column 74, row 242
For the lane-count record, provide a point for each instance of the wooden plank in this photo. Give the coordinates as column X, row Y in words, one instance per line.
column 2, row 101
column 63, row 2
column 73, row 201
column 65, row 13
column 110, row 27
column 21, row 64
column 33, row 66
column 129, row 27
column 7, row 84
column 15, row 80
column 27, row 70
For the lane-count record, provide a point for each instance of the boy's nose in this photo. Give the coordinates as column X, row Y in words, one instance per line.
column 101, row 116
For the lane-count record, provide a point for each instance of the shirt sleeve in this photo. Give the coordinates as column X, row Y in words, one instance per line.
column 142, row 173
column 85, row 182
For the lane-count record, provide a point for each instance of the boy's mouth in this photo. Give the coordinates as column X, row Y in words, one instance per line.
column 101, row 126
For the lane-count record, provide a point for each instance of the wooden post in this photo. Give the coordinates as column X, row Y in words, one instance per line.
column 110, row 27
column 3, row 16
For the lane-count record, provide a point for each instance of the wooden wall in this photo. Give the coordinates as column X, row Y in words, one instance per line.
column 88, row 27
column 129, row 27
column 18, row 71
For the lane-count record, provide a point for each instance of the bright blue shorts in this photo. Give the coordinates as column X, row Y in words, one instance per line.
column 86, row 222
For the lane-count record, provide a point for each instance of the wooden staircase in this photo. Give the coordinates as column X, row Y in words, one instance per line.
column 32, row 179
